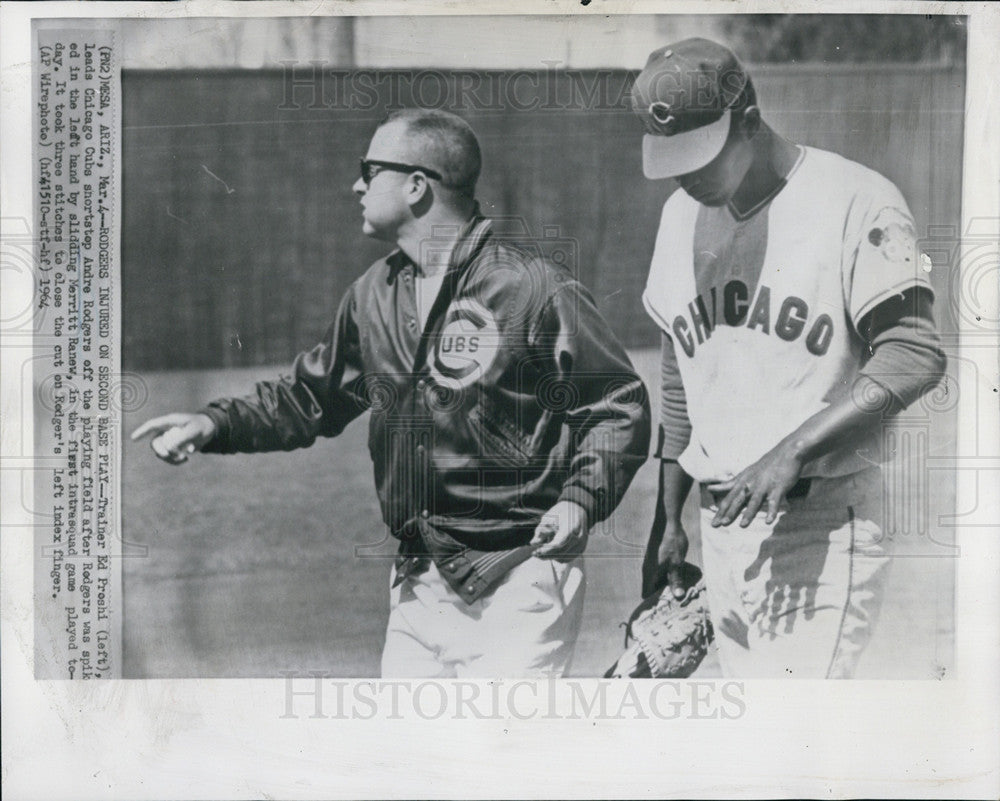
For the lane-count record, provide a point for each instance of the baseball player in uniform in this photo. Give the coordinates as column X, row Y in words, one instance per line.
column 795, row 316
column 506, row 419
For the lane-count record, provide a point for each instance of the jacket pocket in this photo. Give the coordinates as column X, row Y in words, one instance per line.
column 499, row 437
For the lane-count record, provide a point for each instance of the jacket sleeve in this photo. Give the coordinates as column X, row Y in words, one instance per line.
column 323, row 394
column 608, row 409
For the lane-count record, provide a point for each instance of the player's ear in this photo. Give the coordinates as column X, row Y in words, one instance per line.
column 750, row 121
column 418, row 189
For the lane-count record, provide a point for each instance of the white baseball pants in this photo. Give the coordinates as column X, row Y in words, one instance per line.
column 798, row 598
column 524, row 627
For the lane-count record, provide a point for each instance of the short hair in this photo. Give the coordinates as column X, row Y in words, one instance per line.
column 446, row 143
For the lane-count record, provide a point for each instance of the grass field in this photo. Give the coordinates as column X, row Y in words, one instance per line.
column 247, row 566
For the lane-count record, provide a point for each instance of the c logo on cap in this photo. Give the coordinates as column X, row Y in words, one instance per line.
column 663, row 114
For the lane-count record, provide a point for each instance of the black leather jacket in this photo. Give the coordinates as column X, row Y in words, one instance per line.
column 516, row 395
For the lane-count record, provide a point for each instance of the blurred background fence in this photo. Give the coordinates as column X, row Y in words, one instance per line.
column 241, row 232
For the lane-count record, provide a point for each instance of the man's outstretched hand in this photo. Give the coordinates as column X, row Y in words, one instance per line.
column 176, row 436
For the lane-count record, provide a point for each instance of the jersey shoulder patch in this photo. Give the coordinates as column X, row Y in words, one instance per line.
column 893, row 236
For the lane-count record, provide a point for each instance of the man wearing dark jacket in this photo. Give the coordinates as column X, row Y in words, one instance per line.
column 506, row 419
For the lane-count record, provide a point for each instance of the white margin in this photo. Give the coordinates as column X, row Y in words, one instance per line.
column 204, row 739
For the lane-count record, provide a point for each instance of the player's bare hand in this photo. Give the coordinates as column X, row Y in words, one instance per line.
column 562, row 534
column 176, row 436
column 664, row 566
column 763, row 485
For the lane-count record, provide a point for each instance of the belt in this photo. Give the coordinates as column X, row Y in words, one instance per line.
column 469, row 572
column 800, row 489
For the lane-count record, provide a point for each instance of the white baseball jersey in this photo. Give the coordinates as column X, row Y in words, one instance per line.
column 763, row 309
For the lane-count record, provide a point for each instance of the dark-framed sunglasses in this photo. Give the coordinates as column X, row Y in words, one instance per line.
column 371, row 167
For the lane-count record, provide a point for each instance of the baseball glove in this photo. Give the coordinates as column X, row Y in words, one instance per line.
column 666, row 637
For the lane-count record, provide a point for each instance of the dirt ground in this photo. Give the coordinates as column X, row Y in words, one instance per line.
column 248, row 566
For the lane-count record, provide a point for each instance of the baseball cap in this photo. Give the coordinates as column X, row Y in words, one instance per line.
column 685, row 96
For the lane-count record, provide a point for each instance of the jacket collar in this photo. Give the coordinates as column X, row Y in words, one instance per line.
column 470, row 240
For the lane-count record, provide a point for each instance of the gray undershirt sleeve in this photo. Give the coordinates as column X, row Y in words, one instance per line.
column 904, row 346
column 675, row 427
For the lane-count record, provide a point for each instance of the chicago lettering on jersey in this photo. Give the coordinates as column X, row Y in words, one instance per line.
column 731, row 305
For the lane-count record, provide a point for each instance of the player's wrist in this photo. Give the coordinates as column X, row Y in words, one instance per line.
column 672, row 527
column 584, row 513
column 206, row 428
column 797, row 448
column 211, row 423
column 206, row 423
column 582, row 499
